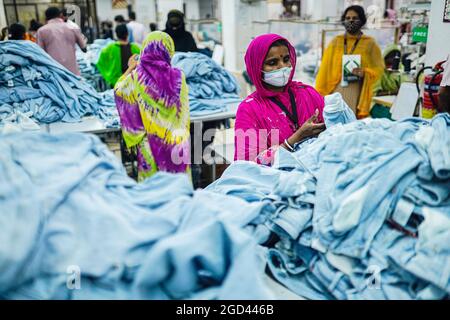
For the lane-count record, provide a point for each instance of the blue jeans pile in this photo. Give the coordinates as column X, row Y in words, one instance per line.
column 211, row 87
column 361, row 212
column 73, row 225
column 32, row 83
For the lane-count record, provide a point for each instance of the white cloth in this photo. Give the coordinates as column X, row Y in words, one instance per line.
column 446, row 75
column 139, row 31
column 72, row 24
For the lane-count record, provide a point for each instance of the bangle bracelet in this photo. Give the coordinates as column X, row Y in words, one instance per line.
column 288, row 145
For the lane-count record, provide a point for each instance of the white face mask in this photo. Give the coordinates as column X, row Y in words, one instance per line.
column 277, row 78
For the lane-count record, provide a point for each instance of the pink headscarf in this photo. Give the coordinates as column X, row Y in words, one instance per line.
column 254, row 61
column 258, row 112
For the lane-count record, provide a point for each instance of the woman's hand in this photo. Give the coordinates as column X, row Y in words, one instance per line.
column 133, row 62
column 309, row 129
column 358, row 72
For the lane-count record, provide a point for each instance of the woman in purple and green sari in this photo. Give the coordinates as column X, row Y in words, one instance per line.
column 153, row 104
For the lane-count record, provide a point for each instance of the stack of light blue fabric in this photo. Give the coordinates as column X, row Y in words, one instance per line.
column 73, row 225
column 33, row 83
column 362, row 212
column 211, row 87
column 87, row 61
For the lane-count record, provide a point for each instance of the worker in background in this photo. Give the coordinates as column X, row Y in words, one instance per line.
column 175, row 27
column 444, row 90
column 16, row 32
column 153, row 27
column 4, row 34
column 390, row 16
column 353, row 48
column 107, row 30
column 153, row 104
column 32, row 30
column 281, row 112
column 138, row 29
column 119, row 19
column 113, row 60
column 59, row 40
column 390, row 82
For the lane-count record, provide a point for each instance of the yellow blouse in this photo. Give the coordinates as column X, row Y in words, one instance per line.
column 330, row 71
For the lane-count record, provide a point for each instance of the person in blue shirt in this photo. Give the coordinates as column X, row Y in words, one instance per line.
column 119, row 19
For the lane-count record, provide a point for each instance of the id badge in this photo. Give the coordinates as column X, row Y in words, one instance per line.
column 350, row 62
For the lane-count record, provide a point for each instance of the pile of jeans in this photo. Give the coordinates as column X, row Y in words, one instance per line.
column 211, row 87
column 34, row 84
column 361, row 212
column 87, row 61
column 73, row 225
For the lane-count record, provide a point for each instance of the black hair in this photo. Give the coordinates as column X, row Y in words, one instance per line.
column 153, row 26
column 280, row 43
column 132, row 15
column 34, row 25
column 16, row 31
column 359, row 11
column 52, row 13
column 65, row 13
column 175, row 13
column 106, row 23
column 122, row 32
column 119, row 18
column 180, row 16
column 393, row 54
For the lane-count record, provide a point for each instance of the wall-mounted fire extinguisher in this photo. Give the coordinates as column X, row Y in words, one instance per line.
column 431, row 90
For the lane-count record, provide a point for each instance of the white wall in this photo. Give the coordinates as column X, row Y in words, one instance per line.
column 145, row 11
column 192, row 9
column 2, row 15
column 229, row 9
column 248, row 13
column 106, row 12
column 274, row 9
column 205, row 7
column 321, row 9
column 438, row 45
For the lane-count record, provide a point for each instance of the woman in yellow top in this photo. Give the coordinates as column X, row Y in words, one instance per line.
column 358, row 91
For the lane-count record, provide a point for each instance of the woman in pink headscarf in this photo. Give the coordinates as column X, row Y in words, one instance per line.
column 281, row 112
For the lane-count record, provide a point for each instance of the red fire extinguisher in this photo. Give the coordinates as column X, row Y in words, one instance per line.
column 431, row 90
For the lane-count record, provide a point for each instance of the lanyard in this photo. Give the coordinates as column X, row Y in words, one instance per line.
column 354, row 46
column 293, row 116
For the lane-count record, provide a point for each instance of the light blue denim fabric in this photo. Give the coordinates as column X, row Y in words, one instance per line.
column 199, row 107
column 68, row 204
column 87, row 60
column 353, row 184
column 246, row 180
column 42, row 86
column 427, row 257
column 295, row 277
column 359, row 192
column 337, row 111
column 211, row 87
column 392, row 280
column 437, row 145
